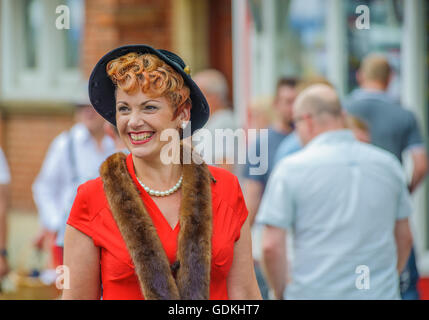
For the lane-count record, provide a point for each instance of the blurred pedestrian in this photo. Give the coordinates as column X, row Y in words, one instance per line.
column 346, row 203
column 291, row 144
column 214, row 86
column 4, row 202
column 392, row 128
column 260, row 112
column 277, row 131
column 73, row 158
column 254, row 185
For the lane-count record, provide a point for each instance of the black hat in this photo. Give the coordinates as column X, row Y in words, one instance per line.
column 102, row 89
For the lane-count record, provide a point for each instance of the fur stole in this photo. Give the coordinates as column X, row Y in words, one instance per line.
column 193, row 265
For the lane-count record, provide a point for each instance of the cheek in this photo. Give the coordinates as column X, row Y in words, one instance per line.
column 121, row 124
column 165, row 120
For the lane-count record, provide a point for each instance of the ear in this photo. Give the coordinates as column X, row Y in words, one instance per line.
column 309, row 123
column 185, row 113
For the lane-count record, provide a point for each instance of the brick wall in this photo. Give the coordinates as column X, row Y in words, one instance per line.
column 112, row 23
column 25, row 139
column 221, row 38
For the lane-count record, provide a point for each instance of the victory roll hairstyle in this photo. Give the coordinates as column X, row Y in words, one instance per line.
column 151, row 75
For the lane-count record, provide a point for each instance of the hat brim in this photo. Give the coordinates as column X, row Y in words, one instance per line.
column 102, row 90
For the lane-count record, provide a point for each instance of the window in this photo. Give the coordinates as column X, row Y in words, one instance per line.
column 73, row 35
column 40, row 61
column 33, row 20
column 288, row 39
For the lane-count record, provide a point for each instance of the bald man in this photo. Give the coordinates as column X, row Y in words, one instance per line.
column 392, row 128
column 347, row 204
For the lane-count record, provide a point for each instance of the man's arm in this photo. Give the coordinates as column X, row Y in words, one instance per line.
column 420, row 166
column 49, row 184
column 404, row 242
column 47, row 189
column 252, row 195
column 274, row 259
column 4, row 204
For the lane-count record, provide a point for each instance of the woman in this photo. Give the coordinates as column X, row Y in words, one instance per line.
column 146, row 228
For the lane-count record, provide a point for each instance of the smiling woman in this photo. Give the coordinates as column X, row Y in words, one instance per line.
column 131, row 231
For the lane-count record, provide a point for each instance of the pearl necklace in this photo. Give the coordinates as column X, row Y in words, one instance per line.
column 162, row 193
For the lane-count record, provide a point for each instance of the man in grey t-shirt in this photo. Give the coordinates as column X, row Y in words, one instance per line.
column 392, row 128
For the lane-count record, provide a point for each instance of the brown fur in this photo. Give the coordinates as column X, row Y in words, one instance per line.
column 193, row 263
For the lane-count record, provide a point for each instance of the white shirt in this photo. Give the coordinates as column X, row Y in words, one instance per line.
column 55, row 187
column 341, row 198
column 4, row 169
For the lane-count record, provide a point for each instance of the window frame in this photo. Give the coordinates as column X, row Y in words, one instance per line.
column 50, row 80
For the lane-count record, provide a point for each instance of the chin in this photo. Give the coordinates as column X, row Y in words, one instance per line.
column 139, row 153
column 143, row 152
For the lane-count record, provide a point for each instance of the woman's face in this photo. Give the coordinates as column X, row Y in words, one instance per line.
column 141, row 120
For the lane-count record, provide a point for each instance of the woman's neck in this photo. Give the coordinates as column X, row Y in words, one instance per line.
column 155, row 174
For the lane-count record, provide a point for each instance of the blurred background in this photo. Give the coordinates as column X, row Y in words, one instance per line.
column 253, row 42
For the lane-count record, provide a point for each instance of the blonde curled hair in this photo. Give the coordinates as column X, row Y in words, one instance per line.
column 152, row 76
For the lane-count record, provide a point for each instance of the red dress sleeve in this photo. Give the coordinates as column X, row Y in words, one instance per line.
column 79, row 217
column 240, row 210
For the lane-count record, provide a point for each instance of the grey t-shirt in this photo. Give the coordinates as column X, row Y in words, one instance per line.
column 391, row 127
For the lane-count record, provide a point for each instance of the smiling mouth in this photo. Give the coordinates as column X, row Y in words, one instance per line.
column 141, row 137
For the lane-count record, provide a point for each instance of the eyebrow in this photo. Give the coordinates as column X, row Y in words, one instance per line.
column 141, row 104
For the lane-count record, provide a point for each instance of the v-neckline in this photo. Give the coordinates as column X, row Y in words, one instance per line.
column 147, row 197
column 156, row 208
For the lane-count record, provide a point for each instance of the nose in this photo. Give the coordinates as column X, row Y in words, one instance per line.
column 136, row 120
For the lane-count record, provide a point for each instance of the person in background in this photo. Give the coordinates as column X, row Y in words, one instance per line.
column 348, row 205
column 214, row 86
column 260, row 112
column 254, row 185
column 4, row 202
column 73, row 158
column 392, row 128
column 291, row 144
column 280, row 128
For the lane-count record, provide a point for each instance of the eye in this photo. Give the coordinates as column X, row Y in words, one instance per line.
column 122, row 108
column 151, row 108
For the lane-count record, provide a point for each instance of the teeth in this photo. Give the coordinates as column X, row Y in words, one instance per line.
column 140, row 137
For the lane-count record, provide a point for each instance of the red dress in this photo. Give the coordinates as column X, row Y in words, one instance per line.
column 91, row 215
